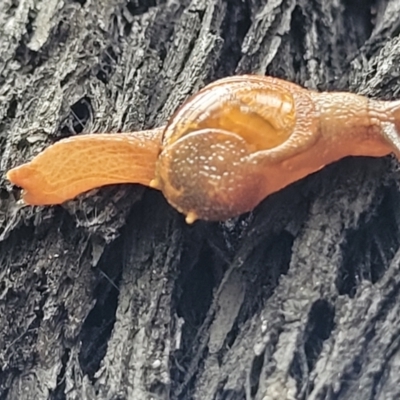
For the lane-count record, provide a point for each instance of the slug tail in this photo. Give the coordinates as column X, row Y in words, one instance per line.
column 78, row 164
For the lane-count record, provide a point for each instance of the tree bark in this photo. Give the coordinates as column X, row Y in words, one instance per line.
column 112, row 295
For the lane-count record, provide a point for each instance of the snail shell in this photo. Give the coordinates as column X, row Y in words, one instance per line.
column 217, row 146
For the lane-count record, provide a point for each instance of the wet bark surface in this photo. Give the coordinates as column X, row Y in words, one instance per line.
column 112, row 295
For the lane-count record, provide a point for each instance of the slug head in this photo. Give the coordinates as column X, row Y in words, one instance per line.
column 207, row 175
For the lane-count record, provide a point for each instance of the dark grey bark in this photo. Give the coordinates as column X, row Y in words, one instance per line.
column 113, row 296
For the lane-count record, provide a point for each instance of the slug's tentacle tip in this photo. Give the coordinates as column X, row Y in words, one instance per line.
column 191, row 217
column 155, row 184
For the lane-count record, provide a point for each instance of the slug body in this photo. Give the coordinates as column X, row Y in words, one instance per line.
column 225, row 149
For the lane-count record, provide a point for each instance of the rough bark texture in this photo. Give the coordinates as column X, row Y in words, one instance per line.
column 113, row 296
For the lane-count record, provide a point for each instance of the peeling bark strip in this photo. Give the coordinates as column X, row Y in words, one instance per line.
column 112, row 296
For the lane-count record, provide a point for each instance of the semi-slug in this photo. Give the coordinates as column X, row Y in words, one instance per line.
column 224, row 150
